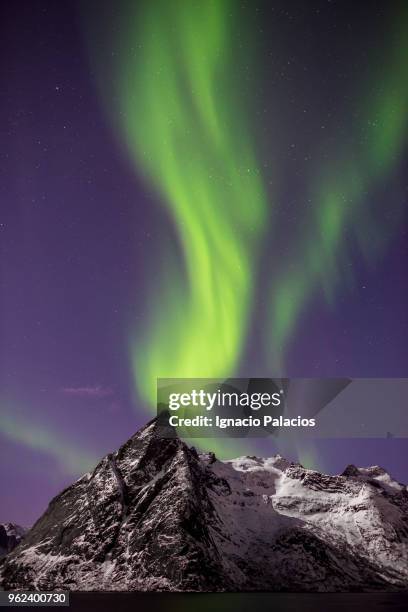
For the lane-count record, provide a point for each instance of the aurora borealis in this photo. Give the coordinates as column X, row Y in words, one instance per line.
column 341, row 193
column 204, row 188
column 184, row 131
column 187, row 132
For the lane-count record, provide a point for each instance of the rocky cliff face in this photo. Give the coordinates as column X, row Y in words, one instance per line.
column 155, row 515
column 10, row 535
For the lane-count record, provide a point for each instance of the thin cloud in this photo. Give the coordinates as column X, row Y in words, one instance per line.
column 97, row 391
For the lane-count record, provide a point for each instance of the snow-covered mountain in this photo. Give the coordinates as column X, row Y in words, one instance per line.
column 156, row 515
column 10, row 535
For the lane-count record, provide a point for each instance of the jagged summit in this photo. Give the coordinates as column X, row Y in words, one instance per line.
column 156, row 515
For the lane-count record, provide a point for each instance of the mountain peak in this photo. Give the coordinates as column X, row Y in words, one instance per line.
column 156, row 515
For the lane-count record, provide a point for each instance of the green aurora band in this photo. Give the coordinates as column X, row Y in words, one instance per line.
column 186, row 129
column 341, row 196
column 185, row 123
column 38, row 437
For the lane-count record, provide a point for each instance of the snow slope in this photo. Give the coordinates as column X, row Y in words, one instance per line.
column 155, row 515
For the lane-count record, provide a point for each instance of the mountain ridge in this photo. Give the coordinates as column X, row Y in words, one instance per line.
column 156, row 515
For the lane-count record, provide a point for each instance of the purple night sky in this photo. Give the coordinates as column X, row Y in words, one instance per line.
column 78, row 226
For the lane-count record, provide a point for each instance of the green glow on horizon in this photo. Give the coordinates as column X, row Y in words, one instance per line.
column 186, row 130
column 340, row 192
column 72, row 461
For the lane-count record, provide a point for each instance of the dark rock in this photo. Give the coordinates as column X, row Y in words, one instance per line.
column 155, row 515
column 10, row 536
